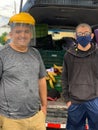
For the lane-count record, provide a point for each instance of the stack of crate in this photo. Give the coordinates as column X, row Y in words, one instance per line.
column 51, row 57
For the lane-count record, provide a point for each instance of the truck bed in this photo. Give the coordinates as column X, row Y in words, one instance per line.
column 56, row 114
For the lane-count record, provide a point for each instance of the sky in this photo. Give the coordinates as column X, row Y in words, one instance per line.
column 10, row 7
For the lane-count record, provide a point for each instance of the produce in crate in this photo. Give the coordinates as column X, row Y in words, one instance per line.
column 51, row 75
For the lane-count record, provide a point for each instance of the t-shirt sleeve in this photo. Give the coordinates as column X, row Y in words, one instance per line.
column 42, row 67
column 42, row 72
column 1, row 68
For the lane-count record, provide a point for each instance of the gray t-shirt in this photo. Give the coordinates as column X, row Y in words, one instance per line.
column 19, row 90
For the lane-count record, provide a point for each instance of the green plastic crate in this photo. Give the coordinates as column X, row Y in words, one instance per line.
column 51, row 57
column 58, row 85
column 41, row 30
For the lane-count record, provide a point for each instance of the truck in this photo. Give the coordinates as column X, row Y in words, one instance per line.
column 55, row 28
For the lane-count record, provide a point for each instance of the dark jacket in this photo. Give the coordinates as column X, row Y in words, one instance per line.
column 80, row 74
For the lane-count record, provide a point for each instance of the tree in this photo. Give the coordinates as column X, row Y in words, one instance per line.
column 3, row 38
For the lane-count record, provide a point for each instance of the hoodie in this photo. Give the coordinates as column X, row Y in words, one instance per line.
column 80, row 74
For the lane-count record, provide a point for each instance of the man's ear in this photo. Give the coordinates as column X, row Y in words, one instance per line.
column 92, row 35
column 75, row 36
column 10, row 34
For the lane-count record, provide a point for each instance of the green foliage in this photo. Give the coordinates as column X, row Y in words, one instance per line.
column 3, row 38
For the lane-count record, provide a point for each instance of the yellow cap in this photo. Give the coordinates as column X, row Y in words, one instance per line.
column 22, row 17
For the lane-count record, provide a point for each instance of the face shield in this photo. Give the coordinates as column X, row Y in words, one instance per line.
column 31, row 29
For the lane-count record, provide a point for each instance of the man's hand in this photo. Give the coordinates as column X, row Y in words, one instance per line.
column 68, row 104
column 44, row 109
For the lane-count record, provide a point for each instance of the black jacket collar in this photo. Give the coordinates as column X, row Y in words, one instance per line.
column 76, row 52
